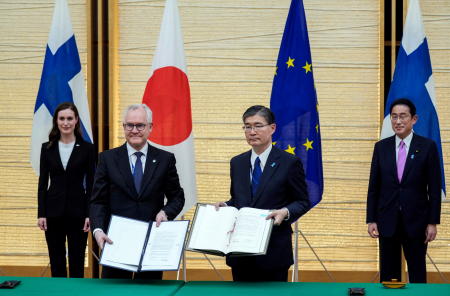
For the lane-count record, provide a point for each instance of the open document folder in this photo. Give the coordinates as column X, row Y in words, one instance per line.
column 141, row 246
column 230, row 231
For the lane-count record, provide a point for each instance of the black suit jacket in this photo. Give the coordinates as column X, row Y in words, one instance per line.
column 417, row 197
column 114, row 191
column 70, row 189
column 282, row 184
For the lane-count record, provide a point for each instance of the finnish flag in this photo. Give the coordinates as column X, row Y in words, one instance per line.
column 62, row 81
column 413, row 79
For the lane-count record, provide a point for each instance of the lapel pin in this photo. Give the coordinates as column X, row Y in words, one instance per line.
column 412, row 156
column 154, row 160
column 273, row 164
column 77, row 145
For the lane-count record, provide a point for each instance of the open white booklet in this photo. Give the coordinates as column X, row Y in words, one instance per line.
column 230, row 231
column 141, row 246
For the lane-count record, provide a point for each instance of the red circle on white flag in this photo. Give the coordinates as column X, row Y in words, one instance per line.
column 168, row 96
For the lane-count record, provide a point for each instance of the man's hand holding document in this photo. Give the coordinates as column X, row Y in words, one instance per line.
column 229, row 231
column 142, row 246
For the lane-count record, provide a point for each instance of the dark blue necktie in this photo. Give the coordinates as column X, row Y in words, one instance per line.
column 137, row 174
column 256, row 175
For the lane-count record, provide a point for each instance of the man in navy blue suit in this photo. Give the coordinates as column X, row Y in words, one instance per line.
column 267, row 178
column 404, row 196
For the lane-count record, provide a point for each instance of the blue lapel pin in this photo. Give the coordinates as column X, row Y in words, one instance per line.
column 412, row 156
column 272, row 164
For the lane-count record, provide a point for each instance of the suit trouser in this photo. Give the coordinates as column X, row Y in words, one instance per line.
column 247, row 269
column 58, row 229
column 390, row 256
column 115, row 273
column 249, row 274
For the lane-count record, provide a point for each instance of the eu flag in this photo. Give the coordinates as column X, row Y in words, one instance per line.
column 294, row 101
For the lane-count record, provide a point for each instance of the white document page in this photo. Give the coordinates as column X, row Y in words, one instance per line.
column 128, row 236
column 165, row 246
column 251, row 231
column 212, row 228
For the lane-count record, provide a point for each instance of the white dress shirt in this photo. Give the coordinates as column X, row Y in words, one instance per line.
column 262, row 157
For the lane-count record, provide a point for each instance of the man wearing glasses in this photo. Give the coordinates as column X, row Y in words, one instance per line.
column 267, row 178
column 404, row 196
column 132, row 181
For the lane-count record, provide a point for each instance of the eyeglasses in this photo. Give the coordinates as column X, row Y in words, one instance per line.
column 402, row 117
column 130, row 126
column 256, row 128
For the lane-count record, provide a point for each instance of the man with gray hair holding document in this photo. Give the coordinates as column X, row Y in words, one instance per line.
column 267, row 178
column 132, row 181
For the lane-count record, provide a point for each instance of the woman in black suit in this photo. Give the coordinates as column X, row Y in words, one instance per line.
column 67, row 164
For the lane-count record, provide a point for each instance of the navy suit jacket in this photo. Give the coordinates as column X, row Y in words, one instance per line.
column 282, row 184
column 70, row 189
column 114, row 191
column 417, row 198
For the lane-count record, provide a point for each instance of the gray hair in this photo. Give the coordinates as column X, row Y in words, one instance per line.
column 133, row 107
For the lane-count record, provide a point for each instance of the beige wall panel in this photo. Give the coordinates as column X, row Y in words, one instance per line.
column 348, row 130
column 446, row 152
column 351, row 74
column 16, row 204
column 15, row 211
column 341, row 190
column 25, row 26
column 346, row 150
column 213, row 168
column 218, row 149
column 22, row 251
column 353, row 170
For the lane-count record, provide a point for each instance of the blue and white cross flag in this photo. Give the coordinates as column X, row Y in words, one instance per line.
column 413, row 79
column 62, row 81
